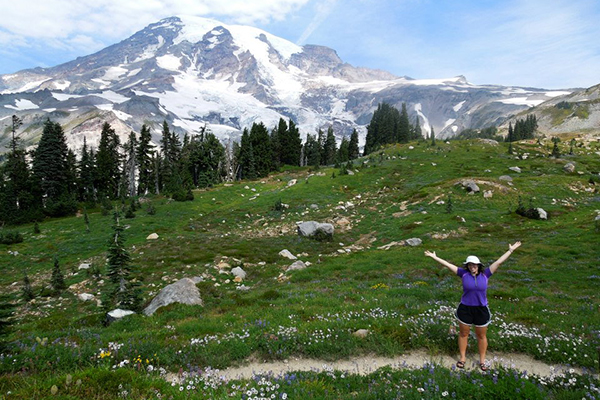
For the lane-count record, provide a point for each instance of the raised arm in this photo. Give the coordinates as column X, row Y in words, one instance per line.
column 504, row 257
column 445, row 263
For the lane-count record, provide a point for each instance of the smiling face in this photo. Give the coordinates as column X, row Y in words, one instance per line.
column 473, row 268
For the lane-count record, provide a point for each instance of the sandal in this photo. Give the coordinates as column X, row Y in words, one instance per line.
column 483, row 367
column 460, row 364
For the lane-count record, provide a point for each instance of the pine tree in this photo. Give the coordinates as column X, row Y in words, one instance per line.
column 555, row 149
column 58, row 280
column 291, row 143
column 246, row 158
column 404, row 126
column 353, row 150
column 86, row 220
column 28, row 294
column 51, row 171
column 344, row 151
column 261, row 148
column 312, row 151
column 131, row 164
column 108, row 162
column 418, row 133
column 121, row 290
column 432, row 137
column 330, row 149
column 87, row 191
column 145, row 151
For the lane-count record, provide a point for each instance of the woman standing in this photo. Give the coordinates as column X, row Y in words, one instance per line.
column 473, row 308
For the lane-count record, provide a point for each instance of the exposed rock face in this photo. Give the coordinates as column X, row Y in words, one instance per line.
column 183, row 291
column 310, row 228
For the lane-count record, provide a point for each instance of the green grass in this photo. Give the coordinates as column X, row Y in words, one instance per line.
column 546, row 290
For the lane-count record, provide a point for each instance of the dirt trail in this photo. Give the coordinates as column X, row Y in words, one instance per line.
column 367, row 364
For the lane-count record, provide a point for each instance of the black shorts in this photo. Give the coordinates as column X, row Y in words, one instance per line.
column 473, row 315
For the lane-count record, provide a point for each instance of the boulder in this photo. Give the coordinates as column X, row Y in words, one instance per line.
column 298, row 265
column 285, row 253
column 361, row 333
column 85, row 296
column 506, row 178
column 183, row 291
column 116, row 315
column 239, row 272
column 292, row 182
column 470, row 185
column 310, row 228
column 152, row 236
column 597, row 218
column 487, row 194
column 414, row 242
column 84, row 266
column 569, row 168
column 515, row 169
column 542, row 213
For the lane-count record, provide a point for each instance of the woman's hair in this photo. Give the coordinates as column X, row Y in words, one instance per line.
column 480, row 268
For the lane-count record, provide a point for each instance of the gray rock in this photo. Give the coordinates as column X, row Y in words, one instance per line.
column 183, row 291
column 237, row 271
column 543, row 214
column 310, row 228
column 314, row 207
column 84, row 266
column 298, row 265
column 506, row 178
column 569, row 168
column 597, row 218
column 361, row 333
column 470, row 185
column 285, row 253
column 515, row 169
column 116, row 315
column 85, row 296
column 414, row 242
column 197, row 279
column 152, row 236
column 292, row 182
column 487, row 194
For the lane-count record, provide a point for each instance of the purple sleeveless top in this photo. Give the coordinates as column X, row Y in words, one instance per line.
column 474, row 287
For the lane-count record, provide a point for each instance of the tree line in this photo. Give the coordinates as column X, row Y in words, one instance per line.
column 51, row 180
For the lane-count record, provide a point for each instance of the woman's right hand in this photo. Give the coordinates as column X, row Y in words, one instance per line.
column 430, row 253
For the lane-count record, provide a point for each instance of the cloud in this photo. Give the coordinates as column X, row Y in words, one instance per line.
column 324, row 9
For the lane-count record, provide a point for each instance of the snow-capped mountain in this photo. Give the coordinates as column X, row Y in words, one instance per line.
column 197, row 72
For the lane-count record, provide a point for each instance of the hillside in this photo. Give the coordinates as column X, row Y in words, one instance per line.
column 543, row 299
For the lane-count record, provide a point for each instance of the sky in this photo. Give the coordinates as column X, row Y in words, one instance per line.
column 551, row 44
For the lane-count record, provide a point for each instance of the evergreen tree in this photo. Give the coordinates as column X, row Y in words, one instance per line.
column 51, row 171
column 87, row 190
column 432, row 137
column 571, row 145
column 246, row 158
column 276, row 142
column 329, row 148
column 121, row 290
column 404, row 126
column 58, row 280
column 344, row 151
column 108, row 162
column 145, row 151
column 321, row 139
column 510, row 138
column 291, row 143
column 131, row 164
column 418, row 133
column 312, row 151
column 86, row 220
column 28, row 294
column 353, row 151
column 555, row 149
column 261, row 148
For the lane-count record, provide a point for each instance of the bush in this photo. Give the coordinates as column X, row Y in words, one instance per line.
column 10, row 237
column 278, row 206
column 151, row 210
column 322, row 236
column 183, row 195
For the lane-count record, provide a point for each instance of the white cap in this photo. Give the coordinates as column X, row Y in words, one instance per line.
column 472, row 259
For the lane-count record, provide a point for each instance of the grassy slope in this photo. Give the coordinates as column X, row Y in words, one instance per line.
column 547, row 288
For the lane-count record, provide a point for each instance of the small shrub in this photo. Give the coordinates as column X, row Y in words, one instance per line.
column 130, row 212
column 27, row 293
column 58, row 279
column 322, row 236
column 36, row 229
column 151, row 210
column 183, row 195
column 449, row 205
column 278, row 206
column 10, row 237
column 270, row 294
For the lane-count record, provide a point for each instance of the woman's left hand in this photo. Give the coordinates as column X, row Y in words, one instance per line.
column 513, row 247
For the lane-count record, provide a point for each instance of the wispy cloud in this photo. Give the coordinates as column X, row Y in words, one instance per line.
column 323, row 10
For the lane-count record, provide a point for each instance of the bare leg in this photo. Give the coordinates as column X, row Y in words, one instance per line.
column 463, row 337
column 482, row 342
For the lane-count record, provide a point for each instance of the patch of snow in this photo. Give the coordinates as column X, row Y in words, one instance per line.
column 65, row 96
column 100, row 81
column 459, row 106
column 556, row 93
column 62, row 85
column 105, row 107
column 112, row 96
column 133, row 84
column 150, row 51
column 426, row 128
column 114, row 73
column 169, row 62
column 22, row 104
column 49, row 110
column 25, row 88
column 454, row 128
column 134, row 72
column 121, row 115
column 521, row 101
column 448, row 123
